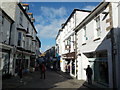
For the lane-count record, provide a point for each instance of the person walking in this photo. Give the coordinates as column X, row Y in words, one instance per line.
column 20, row 73
column 89, row 73
column 43, row 69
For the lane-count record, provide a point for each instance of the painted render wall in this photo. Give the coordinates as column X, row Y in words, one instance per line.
column 68, row 32
column 25, row 24
column 91, row 46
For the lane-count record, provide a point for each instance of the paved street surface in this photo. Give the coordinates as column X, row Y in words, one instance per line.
column 53, row 80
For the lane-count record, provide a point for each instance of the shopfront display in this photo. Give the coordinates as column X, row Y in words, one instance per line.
column 99, row 64
column 5, row 64
column 101, row 71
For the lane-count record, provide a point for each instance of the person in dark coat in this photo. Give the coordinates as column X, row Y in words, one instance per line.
column 20, row 73
column 89, row 73
column 43, row 69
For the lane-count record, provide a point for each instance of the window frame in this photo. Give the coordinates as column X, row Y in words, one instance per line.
column 21, row 18
column 97, row 28
column 19, row 39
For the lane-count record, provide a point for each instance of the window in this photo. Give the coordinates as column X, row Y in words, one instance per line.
column 28, row 27
column 32, row 31
column 2, row 20
column 19, row 38
column 21, row 18
column 24, row 40
column 98, row 31
column 27, row 42
column 84, row 35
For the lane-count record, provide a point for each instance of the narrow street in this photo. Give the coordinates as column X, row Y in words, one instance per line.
column 53, row 80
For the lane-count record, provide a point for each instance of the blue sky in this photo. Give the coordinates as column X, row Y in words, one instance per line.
column 50, row 15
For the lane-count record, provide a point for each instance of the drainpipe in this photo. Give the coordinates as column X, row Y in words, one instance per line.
column 75, row 48
column 76, row 52
column 113, row 48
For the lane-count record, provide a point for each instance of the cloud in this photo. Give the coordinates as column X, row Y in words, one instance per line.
column 53, row 12
column 51, row 30
column 48, row 23
column 50, row 20
column 89, row 8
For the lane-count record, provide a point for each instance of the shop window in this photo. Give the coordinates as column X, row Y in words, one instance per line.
column 101, row 72
column 5, row 58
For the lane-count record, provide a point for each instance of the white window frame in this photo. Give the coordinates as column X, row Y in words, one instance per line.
column 97, row 28
column 84, row 36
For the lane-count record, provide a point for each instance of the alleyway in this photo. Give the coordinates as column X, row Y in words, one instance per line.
column 53, row 80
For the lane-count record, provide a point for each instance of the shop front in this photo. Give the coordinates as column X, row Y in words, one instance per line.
column 70, row 63
column 6, row 57
column 99, row 64
column 5, row 61
column 32, row 63
column 22, row 60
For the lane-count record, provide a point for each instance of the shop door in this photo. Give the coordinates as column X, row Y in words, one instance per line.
column 101, row 72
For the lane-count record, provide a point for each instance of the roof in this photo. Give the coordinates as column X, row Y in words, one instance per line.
column 30, row 13
column 72, row 15
column 59, row 33
column 19, row 4
column 25, row 4
column 4, row 13
column 95, row 12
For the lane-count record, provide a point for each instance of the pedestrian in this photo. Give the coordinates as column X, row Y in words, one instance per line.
column 89, row 73
column 43, row 69
column 20, row 73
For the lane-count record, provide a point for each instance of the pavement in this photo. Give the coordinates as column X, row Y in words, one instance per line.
column 14, row 82
column 53, row 80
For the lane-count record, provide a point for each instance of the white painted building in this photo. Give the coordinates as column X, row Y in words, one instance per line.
column 66, row 41
column 96, row 35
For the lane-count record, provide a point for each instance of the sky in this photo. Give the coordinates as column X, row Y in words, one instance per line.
column 50, row 15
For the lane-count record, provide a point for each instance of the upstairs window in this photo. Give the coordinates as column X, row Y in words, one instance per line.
column 98, row 31
column 19, row 38
column 28, row 27
column 1, row 20
column 84, row 35
column 24, row 40
column 21, row 18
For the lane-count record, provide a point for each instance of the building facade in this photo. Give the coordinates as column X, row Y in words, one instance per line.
column 96, row 37
column 5, row 48
column 95, row 42
column 23, row 36
column 66, row 40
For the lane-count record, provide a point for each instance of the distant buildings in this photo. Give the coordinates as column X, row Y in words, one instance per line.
column 93, row 40
column 18, row 33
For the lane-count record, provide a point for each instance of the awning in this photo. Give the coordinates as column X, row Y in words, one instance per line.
column 69, row 55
